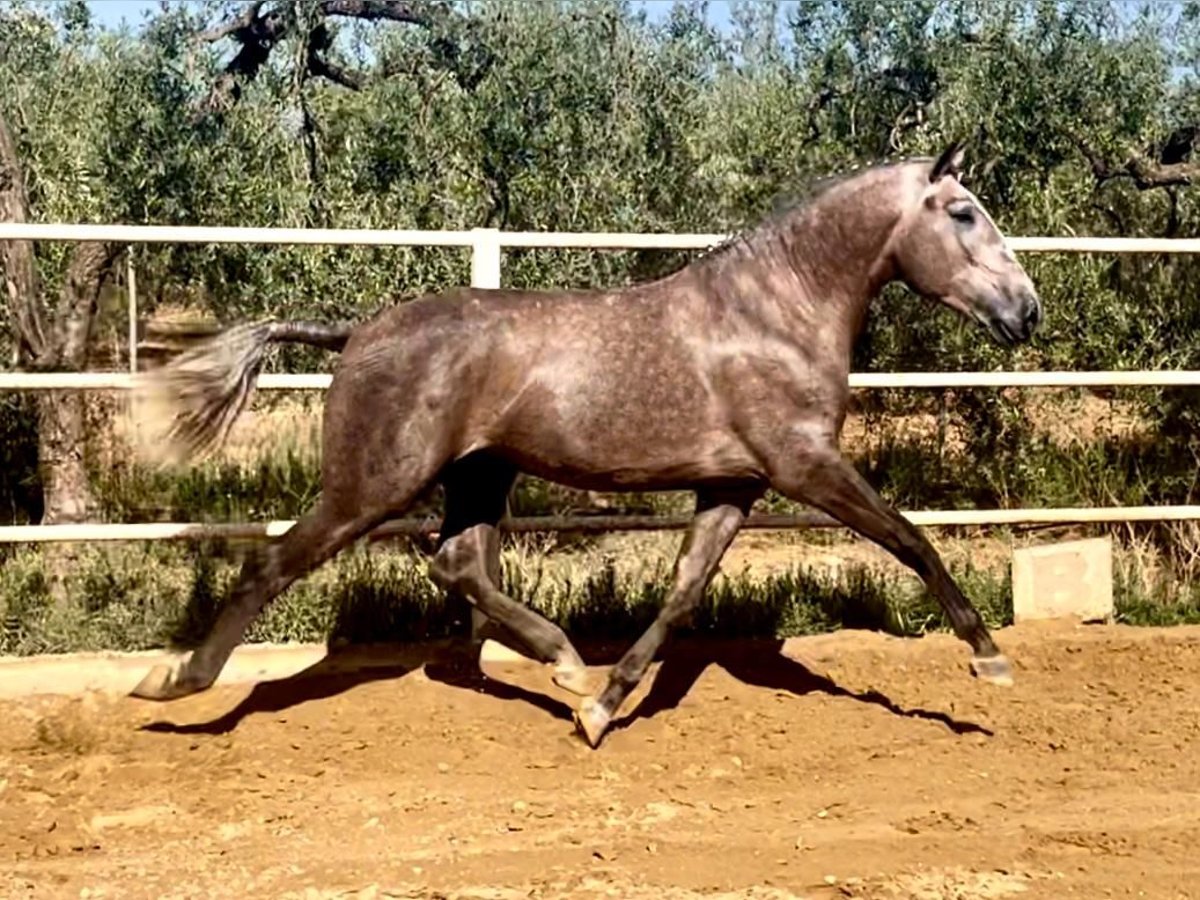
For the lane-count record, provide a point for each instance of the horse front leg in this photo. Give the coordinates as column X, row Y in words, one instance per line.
column 825, row 480
column 718, row 518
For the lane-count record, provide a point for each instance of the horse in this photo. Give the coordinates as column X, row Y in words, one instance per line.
column 724, row 378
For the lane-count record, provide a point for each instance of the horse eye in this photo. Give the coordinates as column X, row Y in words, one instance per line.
column 964, row 214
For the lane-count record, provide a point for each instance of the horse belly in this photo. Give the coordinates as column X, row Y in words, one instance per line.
column 637, row 470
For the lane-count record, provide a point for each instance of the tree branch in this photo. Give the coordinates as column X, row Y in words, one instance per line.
column 378, row 10
column 1112, row 215
column 244, row 21
column 1144, row 173
column 257, row 32
column 1100, row 168
column 1173, row 218
column 40, row 343
column 90, row 264
column 816, row 105
column 321, row 68
column 1148, row 175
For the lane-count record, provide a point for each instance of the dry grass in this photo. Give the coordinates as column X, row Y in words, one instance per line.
column 1163, row 563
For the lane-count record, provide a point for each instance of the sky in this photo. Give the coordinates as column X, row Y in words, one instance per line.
column 110, row 13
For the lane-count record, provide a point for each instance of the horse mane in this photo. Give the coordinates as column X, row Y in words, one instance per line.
column 785, row 208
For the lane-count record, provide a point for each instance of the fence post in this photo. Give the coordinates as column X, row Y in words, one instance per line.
column 485, row 258
column 131, row 287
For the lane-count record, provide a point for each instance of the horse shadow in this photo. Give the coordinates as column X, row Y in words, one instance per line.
column 763, row 664
column 755, row 663
column 331, row 676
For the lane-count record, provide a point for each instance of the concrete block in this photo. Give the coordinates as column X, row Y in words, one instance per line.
column 1066, row 579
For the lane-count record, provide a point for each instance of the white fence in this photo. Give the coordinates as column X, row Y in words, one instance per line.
column 487, row 246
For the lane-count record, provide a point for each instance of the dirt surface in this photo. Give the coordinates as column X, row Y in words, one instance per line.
column 852, row 765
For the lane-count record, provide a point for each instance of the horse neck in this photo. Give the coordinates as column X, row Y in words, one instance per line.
column 838, row 249
column 808, row 277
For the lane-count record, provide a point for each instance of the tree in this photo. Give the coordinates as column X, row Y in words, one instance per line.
column 51, row 336
column 1082, row 117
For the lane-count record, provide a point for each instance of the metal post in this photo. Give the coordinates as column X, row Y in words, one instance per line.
column 131, row 286
column 485, row 258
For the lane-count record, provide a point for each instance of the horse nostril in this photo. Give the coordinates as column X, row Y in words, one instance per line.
column 1033, row 311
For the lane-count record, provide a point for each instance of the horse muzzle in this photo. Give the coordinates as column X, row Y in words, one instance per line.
column 1013, row 319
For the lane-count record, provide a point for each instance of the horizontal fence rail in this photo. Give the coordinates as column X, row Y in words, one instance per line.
column 574, row 240
column 193, row 531
column 317, row 381
column 486, row 246
column 204, row 234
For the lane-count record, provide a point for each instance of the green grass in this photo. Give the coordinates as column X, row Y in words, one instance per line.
column 134, row 597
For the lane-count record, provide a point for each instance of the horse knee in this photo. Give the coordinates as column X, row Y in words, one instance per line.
column 443, row 571
column 457, row 568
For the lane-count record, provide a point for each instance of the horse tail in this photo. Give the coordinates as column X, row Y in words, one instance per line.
column 186, row 408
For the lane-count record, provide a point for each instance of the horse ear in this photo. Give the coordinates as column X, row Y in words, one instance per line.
column 949, row 163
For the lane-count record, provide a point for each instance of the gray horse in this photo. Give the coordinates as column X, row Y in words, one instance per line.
column 725, row 378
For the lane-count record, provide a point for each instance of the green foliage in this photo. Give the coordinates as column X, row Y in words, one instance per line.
column 590, row 118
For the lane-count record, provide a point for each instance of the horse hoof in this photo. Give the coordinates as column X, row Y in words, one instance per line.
column 572, row 678
column 591, row 720
column 993, row 669
column 162, row 683
column 157, row 685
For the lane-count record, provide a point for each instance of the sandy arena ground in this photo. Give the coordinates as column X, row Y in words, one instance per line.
column 852, row 765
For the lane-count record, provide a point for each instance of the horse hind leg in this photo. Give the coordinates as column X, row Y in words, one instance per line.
column 462, row 565
column 318, row 535
column 468, row 563
column 348, row 509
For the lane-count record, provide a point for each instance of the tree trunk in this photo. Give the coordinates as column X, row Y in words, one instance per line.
column 18, row 272
column 59, row 342
column 62, row 414
column 66, row 493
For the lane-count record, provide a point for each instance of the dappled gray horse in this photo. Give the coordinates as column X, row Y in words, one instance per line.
column 726, row 378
